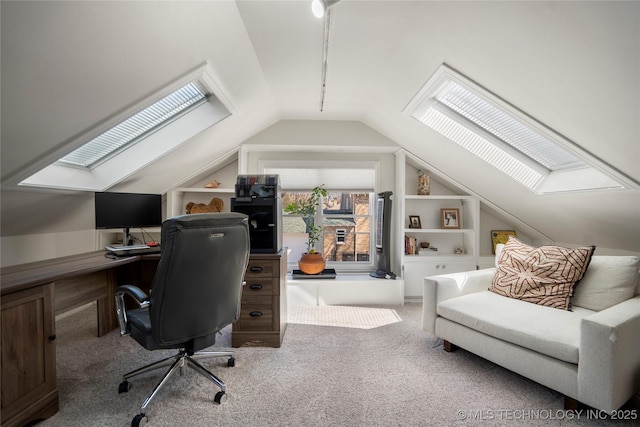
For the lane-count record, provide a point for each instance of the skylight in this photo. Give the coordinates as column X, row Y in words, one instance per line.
column 136, row 126
column 132, row 139
column 511, row 141
column 507, row 128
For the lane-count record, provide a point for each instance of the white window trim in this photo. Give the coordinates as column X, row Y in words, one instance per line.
column 47, row 174
column 267, row 166
column 595, row 176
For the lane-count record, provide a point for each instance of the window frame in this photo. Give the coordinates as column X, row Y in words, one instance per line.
column 592, row 175
column 48, row 174
column 276, row 166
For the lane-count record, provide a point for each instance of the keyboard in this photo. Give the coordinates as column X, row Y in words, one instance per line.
column 118, row 248
column 123, row 251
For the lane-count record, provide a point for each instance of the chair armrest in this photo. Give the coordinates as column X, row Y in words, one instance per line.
column 446, row 286
column 609, row 366
column 141, row 298
column 135, row 292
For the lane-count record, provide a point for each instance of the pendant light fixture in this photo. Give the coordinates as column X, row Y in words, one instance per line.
column 320, row 7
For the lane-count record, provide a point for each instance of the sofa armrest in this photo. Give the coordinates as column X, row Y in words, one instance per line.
column 446, row 286
column 609, row 366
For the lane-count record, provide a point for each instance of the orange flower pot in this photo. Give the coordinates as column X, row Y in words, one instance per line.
column 311, row 263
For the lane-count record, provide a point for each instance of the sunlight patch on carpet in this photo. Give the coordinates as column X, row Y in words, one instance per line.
column 342, row 316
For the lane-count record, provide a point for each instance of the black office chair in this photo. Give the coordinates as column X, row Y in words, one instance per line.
column 196, row 292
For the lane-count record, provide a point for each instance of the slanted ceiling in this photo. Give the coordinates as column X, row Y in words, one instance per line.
column 575, row 66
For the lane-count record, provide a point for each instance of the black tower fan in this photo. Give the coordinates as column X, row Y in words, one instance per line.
column 383, row 237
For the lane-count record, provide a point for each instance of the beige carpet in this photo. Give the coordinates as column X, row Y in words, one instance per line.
column 338, row 366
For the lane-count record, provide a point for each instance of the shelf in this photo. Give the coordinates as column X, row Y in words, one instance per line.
column 176, row 198
column 439, row 230
column 448, row 257
column 428, row 208
column 204, row 190
column 440, row 197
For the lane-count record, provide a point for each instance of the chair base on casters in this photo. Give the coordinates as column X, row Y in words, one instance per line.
column 179, row 361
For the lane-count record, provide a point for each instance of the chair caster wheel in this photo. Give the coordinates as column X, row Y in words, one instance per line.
column 140, row 418
column 219, row 396
column 231, row 362
column 124, row 387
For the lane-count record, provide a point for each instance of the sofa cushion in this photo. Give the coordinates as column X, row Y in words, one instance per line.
column 609, row 280
column 555, row 333
column 544, row 275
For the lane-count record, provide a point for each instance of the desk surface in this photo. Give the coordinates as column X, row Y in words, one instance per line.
column 23, row 276
column 32, row 294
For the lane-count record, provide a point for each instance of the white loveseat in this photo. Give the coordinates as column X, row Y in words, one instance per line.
column 590, row 354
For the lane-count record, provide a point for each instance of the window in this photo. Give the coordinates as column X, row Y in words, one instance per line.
column 349, row 206
column 508, row 139
column 346, row 218
column 137, row 126
column 127, row 142
column 346, row 226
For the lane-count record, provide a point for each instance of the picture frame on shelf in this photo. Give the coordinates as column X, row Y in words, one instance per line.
column 500, row 236
column 414, row 221
column 450, row 218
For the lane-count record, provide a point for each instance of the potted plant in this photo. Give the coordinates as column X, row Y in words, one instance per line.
column 312, row 261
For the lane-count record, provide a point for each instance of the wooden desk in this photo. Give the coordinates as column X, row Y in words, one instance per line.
column 32, row 294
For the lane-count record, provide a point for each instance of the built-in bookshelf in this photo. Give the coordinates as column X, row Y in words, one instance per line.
column 422, row 219
column 178, row 198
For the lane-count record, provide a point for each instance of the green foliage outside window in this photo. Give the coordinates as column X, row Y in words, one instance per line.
column 307, row 208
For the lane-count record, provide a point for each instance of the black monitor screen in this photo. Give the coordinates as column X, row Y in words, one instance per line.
column 128, row 210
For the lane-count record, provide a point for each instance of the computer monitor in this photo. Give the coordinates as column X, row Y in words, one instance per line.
column 127, row 210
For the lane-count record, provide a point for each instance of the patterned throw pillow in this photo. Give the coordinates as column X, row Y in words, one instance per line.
column 545, row 275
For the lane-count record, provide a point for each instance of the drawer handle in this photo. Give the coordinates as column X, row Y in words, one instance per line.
column 255, row 269
column 255, row 314
column 255, row 286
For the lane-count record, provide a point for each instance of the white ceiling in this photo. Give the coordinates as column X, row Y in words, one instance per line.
column 575, row 66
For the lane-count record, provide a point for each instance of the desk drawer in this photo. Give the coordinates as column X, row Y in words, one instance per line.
column 261, row 268
column 263, row 313
column 260, row 287
column 256, row 315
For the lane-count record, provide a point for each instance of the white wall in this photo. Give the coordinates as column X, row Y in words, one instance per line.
column 226, row 176
column 48, row 226
column 36, row 247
